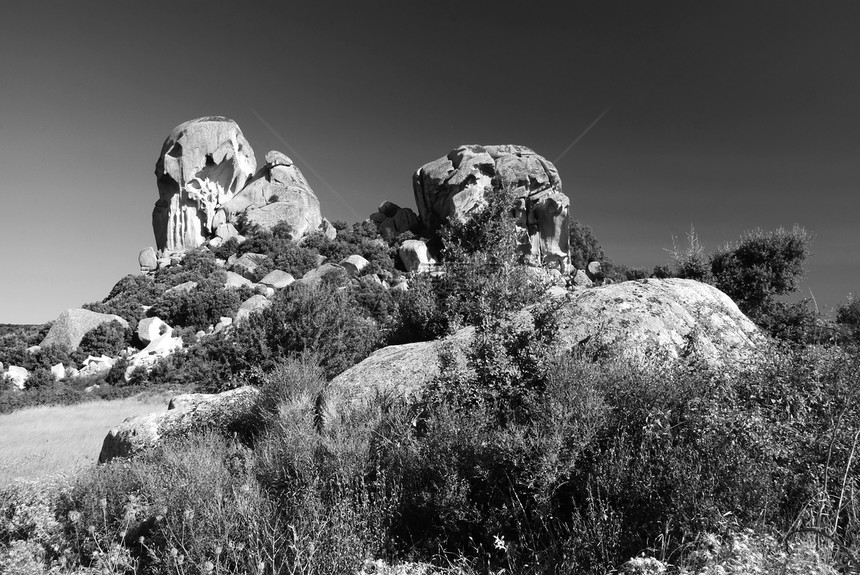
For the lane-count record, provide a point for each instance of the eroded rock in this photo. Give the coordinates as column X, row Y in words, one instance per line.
column 457, row 185
column 202, row 165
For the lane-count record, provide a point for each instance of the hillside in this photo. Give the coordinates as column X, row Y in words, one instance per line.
column 468, row 386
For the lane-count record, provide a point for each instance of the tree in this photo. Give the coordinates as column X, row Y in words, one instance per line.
column 761, row 266
column 584, row 247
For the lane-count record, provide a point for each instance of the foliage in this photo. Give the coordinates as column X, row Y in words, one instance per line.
column 761, row 266
column 321, row 319
column 202, row 306
column 584, row 247
column 691, row 262
column 109, row 339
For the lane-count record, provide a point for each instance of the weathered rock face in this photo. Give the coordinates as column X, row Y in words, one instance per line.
column 278, row 193
column 457, row 184
column 653, row 323
column 398, row 370
column 147, row 260
column 226, row 412
column 73, row 324
column 277, row 279
column 415, row 257
column 254, row 304
column 203, row 164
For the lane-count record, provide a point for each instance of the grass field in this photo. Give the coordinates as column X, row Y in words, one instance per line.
column 43, row 442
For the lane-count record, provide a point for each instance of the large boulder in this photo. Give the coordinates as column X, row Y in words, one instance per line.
column 397, row 370
column 415, row 257
column 457, row 185
column 73, row 324
column 225, row 412
column 651, row 323
column 202, row 165
column 278, row 193
column 658, row 322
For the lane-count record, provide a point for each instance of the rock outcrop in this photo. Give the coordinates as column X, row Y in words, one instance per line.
column 226, row 412
column 396, row 370
column 457, row 185
column 202, row 165
column 147, row 260
column 278, row 193
column 652, row 323
column 657, row 322
column 73, row 324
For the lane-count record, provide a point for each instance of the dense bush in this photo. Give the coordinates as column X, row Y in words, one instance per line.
column 107, row 339
column 202, row 306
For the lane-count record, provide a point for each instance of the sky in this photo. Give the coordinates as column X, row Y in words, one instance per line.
column 721, row 116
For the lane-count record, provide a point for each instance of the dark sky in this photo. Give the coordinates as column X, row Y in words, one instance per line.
column 724, row 116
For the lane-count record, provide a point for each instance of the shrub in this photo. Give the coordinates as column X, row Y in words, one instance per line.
column 109, row 339
column 584, row 247
column 761, row 266
column 323, row 320
column 691, row 262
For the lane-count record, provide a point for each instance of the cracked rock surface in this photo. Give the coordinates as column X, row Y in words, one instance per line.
column 457, row 185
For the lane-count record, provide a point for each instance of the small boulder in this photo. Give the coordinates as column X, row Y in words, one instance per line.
column 17, row 376
column 415, row 257
column 73, row 324
column 234, row 280
column 328, row 272
column 150, row 329
column 592, row 270
column 227, row 412
column 58, row 371
column 226, row 231
column 581, row 279
column 277, row 279
column 247, row 264
column 147, row 260
column 94, row 365
column 253, row 304
column 160, row 347
column 183, row 287
column 328, row 230
column 354, row 264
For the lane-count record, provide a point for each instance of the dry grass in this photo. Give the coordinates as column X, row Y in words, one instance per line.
column 43, row 442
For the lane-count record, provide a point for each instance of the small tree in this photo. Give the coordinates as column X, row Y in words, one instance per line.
column 691, row 262
column 761, row 266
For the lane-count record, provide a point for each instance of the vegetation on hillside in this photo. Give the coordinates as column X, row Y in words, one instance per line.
column 524, row 461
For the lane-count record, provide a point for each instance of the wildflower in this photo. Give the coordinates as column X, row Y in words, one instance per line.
column 208, row 567
column 103, row 503
column 74, row 517
column 500, row 543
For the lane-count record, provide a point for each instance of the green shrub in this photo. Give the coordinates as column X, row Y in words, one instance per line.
column 109, row 339
column 761, row 266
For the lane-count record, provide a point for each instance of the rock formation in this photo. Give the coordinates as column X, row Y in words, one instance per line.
column 203, row 164
column 456, row 185
column 225, row 412
column 652, row 323
column 415, row 257
column 73, row 324
column 207, row 176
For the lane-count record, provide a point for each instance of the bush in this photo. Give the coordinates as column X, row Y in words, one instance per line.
column 107, row 339
column 761, row 266
column 323, row 320
column 584, row 247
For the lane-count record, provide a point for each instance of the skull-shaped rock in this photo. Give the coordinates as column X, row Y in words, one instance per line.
column 203, row 164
